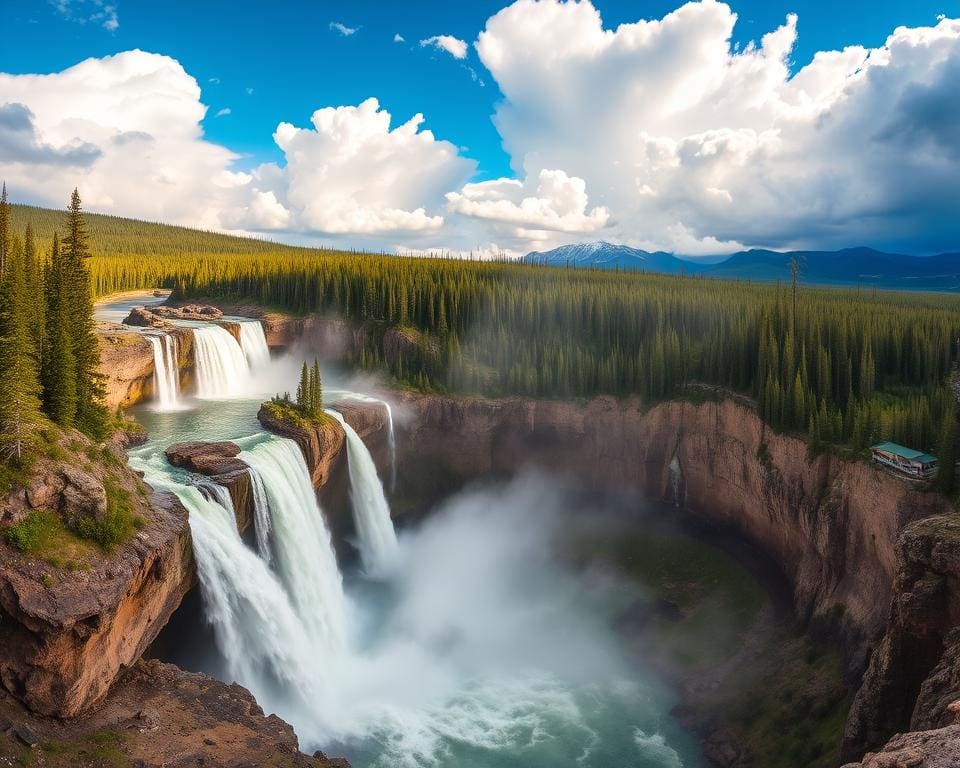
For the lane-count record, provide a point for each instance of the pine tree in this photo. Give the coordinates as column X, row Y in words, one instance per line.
column 20, row 415
column 316, row 390
column 303, row 390
column 4, row 229
column 58, row 370
column 91, row 416
column 947, row 453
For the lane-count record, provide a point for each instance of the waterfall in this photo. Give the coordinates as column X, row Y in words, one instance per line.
column 257, row 630
column 221, row 366
column 305, row 558
column 166, row 370
column 254, row 345
column 261, row 516
column 371, row 513
column 391, row 435
column 677, row 489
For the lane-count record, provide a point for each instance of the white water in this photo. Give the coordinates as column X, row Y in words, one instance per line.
column 257, row 630
column 391, row 435
column 261, row 522
column 254, row 345
column 221, row 366
column 371, row 513
column 166, row 371
column 305, row 558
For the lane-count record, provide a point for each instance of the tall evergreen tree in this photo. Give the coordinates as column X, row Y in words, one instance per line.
column 58, row 369
column 91, row 416
column 20, row 415
column 4, row 229
column 316, row 390
column 947, row 453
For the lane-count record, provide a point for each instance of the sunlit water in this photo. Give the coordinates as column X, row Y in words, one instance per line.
column 478, row 651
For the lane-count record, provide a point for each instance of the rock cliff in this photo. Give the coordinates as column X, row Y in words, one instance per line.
column 74, row 616
column 157, row 715
column 126, row 361
column 834, row 526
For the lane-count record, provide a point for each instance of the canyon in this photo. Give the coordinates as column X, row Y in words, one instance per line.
column 871, row 560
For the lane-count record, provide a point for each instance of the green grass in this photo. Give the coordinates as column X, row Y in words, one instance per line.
column 118, row 523
column 43, row 534
column 101, row 749
column 289, row 413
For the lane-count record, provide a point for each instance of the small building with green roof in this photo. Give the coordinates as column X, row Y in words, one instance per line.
column 916, row 465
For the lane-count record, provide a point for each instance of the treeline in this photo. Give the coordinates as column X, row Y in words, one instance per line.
column 847, row 367
column 49, row 353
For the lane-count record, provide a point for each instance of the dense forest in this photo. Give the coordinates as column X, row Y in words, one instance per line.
column 846, row 367
column 49, row 352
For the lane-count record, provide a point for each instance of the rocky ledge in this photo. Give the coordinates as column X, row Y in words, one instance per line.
column 157, row 714
column 322, row 441
column 126, row 361
column 73, row 616
column 938, row 748
column 219, row 462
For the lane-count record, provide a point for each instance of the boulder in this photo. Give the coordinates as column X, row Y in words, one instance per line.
column 206, row 458
column 141, row 317
column 83, row 495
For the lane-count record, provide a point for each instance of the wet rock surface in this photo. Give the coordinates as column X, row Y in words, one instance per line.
column 206, row 458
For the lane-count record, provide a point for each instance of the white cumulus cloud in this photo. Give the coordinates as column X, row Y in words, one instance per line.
column 694, row 145
column 557, row 203
column 352, row 173
column 452, row 45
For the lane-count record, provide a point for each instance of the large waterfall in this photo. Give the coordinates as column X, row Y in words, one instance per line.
column 257, row 629
column 221, row 365
column 371, row 513
column 254, row 344
column 305, row 558
column 166, row 370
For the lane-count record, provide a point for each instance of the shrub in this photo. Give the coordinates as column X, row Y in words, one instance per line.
column 31, row 534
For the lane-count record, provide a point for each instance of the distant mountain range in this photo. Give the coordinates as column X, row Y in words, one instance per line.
column 850, row 266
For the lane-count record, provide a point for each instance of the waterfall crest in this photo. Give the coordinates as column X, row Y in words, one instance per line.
column 371, row 513
column 254, row 344
column 221, row 365
column 166, row 370
column 304, row 554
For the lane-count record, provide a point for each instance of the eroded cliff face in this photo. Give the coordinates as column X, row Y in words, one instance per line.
column 834, row 526
column 69, row 628
column 126, row 361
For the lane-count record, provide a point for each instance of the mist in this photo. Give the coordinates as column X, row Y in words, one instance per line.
column 482, row 646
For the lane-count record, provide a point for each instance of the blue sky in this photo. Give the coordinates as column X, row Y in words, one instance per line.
column 294, row 62
column 273, row 62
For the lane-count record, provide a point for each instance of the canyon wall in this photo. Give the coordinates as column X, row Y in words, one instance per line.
column 833, row 526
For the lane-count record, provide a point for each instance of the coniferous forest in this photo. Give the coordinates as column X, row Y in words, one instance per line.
column 845, row 367
column 49, row 353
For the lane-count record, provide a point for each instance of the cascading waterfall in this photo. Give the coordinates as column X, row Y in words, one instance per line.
column 221, row 365
column 391, row 435
column 260, row 635
column 305, row 558
column 166, row 370
column 371, row 513
column 254, row 344
column 261, row 521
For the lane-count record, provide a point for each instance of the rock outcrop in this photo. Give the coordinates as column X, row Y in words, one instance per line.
column 914, row 674
column 321, row 443
column 938, row 748
column 126, row 362
column 219, row 462
column 68, row 632
column 160, row 715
